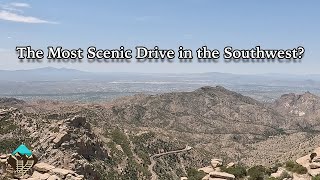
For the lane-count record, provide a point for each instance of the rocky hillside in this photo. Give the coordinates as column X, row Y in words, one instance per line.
column 208, row 110
column 161, row 136
column 302, row 109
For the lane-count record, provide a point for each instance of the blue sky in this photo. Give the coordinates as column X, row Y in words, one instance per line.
column 168, row 24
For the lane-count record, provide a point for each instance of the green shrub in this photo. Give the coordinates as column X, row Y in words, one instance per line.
column 273, row 178
column 295, row 167
column 194, row 174
column 258, row 172
column 238, row 171
column 317, row 177
column 285, row 175
column 121, row 139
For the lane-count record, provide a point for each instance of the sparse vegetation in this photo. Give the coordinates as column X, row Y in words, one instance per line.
column 285, row 175
column 120, row 138
column 238, row 171
column 194, row 174
column 258, row 172
column 316, row 177
column 295, row 167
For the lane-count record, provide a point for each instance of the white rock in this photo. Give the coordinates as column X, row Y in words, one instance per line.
column 223, row 175
column 54, row 177
column 230, row 165
column 216, row 163
column 62, row 172
column 278, row 173
column 207, row 169
column 43, row 167
column 206, row 177
column 314, row 165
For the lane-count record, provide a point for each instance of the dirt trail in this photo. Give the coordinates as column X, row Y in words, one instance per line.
column 154, row 176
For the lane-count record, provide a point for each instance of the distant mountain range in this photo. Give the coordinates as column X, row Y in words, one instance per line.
column 56, row 74
column 75, row 85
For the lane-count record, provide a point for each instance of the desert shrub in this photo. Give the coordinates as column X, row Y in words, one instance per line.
column 295, row 167
column 256, row 173
column 238, row 171
column 317, row 177
column 275, row 167
column 194, row 174
column 121, row 139
column 273, row 178
column 285, row 175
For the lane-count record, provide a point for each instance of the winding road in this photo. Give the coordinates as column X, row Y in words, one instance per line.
column 153, row 162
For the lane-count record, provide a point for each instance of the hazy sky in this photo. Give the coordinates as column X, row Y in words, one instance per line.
column 167, row 23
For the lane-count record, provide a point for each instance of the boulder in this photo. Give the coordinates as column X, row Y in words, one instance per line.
column 222, row 175
column 278, row 173
column 3, row 161
column 60, row 138
column 183, row 178
column 54, row 177
column 78, row 121
column 40, row 176
column 62, row 172
column 316, row 159
column 314, row 165
column 231, row 165
column 305, row 162
column 71, row 177
column 43, row 167
column 301, row 177
column 207, row 169
column 45, row 176
column 216, row 163
column 206, row 177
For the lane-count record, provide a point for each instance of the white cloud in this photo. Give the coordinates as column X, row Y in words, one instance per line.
column 9, row 8
column 11, row 16
column 14, row 12
column 21, row 5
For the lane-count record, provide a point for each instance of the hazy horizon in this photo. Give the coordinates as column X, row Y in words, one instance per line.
column 136, row 72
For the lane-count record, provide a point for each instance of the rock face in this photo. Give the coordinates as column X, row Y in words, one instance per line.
column 216, row 163
column 280, row 171
column 43, row 171
column 303, row 109
column 221, row 175
column 214, row 172
column 312, row 166
column 43, row 167
column 227, row 116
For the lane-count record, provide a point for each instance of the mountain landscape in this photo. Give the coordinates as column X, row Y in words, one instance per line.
column 162, row 135
column 75, row 85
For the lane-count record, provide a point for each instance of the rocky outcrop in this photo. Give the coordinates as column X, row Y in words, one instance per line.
column 280, row 172
column 213, row 172
column 44, row 171
column 312, row 165
column 302, row 109
column 221, row 175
